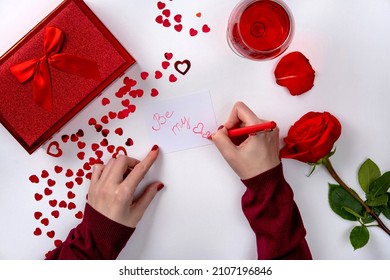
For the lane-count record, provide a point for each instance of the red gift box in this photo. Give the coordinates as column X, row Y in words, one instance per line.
column 55, row 70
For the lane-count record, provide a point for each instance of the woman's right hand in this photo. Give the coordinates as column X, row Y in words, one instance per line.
column 257, row 153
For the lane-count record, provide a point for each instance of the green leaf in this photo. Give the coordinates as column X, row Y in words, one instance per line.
column 386, row 209
column 359, row 237
column 378, row 201
column 340, row 199
column 379, row 186
column 368, row 172
column 349, row 210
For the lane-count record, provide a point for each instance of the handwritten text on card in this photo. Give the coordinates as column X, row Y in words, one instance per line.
column 181, row 123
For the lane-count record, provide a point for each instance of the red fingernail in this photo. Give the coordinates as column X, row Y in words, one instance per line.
column 220, row 127
column 154, row 148
column 160, row 187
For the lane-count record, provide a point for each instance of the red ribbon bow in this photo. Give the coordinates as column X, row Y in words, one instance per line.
column 39, row 67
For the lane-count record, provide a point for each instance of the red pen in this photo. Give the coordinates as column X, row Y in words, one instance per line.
column 260, row 127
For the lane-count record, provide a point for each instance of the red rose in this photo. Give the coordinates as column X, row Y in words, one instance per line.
column 312, row 137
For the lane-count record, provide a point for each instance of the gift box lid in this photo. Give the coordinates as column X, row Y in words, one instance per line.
column 55, row 70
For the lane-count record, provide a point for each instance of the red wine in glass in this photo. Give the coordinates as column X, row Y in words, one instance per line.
column 260, row 29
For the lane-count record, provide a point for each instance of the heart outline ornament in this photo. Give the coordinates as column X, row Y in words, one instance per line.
column 179, row 68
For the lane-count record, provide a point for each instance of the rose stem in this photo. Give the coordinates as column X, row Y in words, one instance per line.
column 326, row 162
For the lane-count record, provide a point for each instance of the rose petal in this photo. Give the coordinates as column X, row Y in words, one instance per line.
column 295, row 72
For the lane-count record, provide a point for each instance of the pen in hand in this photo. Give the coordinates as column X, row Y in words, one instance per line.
column 246, row 130
column 251, row 129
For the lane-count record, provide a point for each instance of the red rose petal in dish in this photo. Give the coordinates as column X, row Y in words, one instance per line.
column 295, row 73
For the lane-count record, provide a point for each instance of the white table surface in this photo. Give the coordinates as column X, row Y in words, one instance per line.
column 198, row 215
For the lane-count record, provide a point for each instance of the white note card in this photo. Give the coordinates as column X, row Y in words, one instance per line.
column 181, row 123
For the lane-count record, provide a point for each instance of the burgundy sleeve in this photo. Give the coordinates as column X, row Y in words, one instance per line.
column 95, row 238
column 269, row 206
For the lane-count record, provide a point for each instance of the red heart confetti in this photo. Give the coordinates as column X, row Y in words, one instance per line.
column 105, row 119
column 165, row 64
column 71, row 206
column 166, row 12
column 44, row 174
column 37, row 232
column 57, row 243
column 37, row 215
column 45, row 221
column 158, row 74
column 65, row 138
column 160, row 5
column 104, row 142
column 38, row 196
column 159, row 19
column 154, row 92
column 95, row 146
column 144, row 75
column 51, row 182
column 55, row 213
column 79, row 215
column 48, row 191
column 119, row 131
column 112, row 115
column 166, row 23
column 81, row 155
column 62, row 204
column 58, row 169
column 80, row 133
column 34, row 179
column 69, row 173
column 81, row 145
column 92, row 121
column 50, row 234
column 177, row 18
column 74, row 138
column 129, row 142
column 111, row 149
column 168, row 56
column 206, row 28
column 172, row 78
column 105, row 101
column 71, row 195
column 80, row 172
column 193, row 32
column 178, row 27
column 53, row 203
column 79, row 180
column 69, row 184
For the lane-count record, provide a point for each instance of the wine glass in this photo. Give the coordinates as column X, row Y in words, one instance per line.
column 260, row 29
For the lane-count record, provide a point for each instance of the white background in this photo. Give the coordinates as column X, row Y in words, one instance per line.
column 198, row 215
